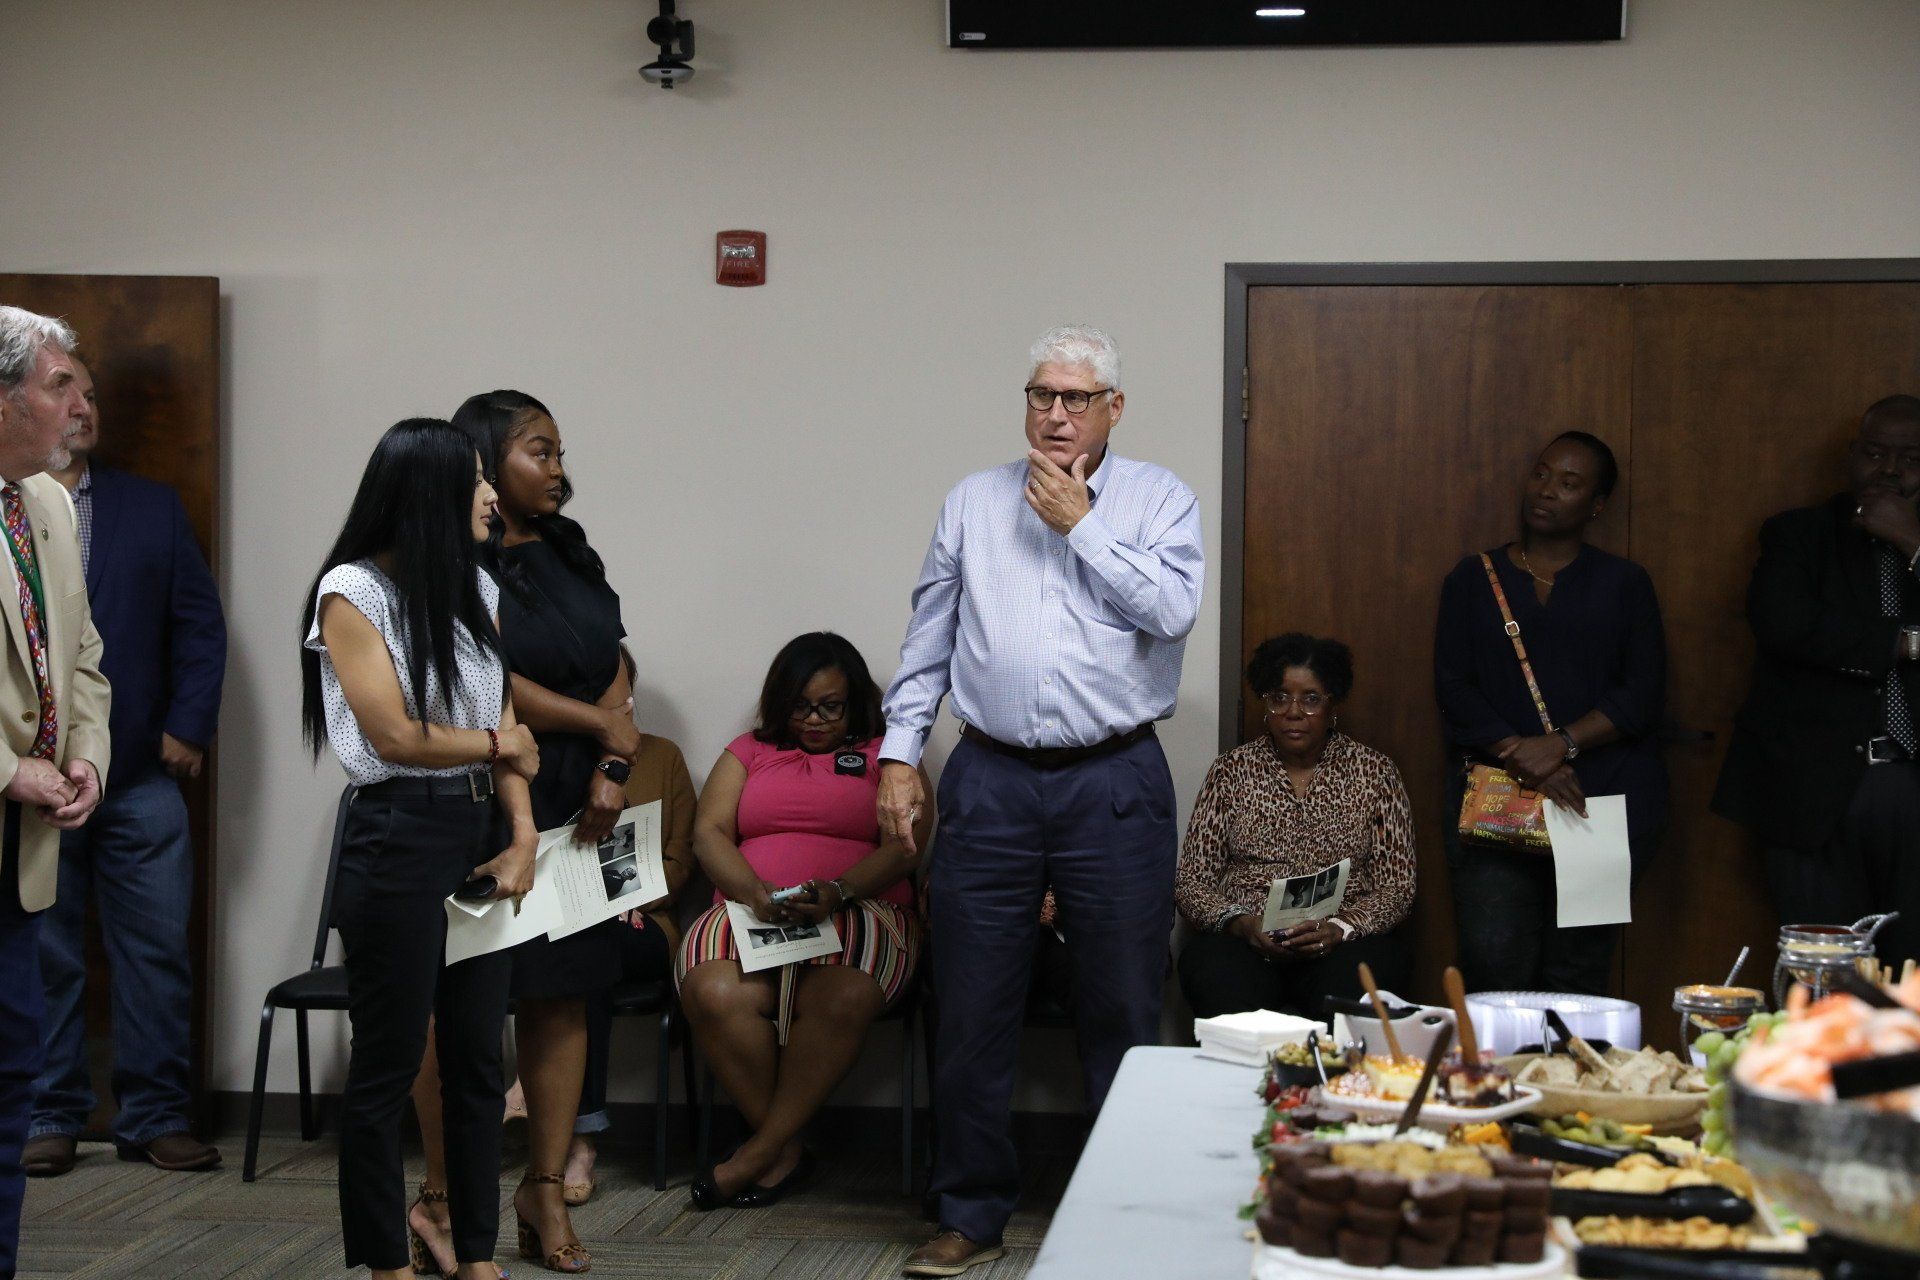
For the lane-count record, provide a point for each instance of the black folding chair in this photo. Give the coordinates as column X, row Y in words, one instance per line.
column 636, row 999
column 322, row 986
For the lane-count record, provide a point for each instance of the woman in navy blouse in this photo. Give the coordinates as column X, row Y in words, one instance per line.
column 1591, row 625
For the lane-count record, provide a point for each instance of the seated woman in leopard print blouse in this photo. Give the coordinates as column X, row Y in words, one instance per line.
column 1295, row 801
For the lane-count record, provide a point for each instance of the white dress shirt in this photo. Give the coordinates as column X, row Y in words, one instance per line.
column 1044, row 640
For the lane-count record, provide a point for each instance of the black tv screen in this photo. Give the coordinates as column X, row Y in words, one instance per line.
column 1141, row 24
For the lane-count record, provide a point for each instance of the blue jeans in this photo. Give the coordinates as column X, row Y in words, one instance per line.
column 1102, row 834
column 135, row 857
column 21, row 1006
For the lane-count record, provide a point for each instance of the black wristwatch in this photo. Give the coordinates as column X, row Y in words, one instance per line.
column 618, row 770
column 1573, row 748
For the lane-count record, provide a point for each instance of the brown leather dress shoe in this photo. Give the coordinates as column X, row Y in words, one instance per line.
column 49, row 1155
column 948, row 1254
column 178, row 1152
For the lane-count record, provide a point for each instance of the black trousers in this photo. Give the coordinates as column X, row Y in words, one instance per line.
column 401, row 859
column 1220, row 973
column 1871, row 865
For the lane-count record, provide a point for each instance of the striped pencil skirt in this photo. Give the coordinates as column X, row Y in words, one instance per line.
column 880, row 939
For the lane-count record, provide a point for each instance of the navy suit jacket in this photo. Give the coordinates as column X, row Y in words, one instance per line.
column 158, row 614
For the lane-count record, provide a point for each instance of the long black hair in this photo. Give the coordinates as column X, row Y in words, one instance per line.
column 415, row 507
column 798, row 661
column 493, row 421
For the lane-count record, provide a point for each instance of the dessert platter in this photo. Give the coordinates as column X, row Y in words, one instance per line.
column 1804, row 1160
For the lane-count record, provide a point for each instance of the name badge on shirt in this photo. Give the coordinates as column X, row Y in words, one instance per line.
column 850, row 763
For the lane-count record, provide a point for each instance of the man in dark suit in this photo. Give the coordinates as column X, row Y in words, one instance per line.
column 1825, row 761
column 158, row 613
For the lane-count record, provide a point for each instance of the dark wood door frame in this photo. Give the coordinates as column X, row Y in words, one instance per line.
column 1244, row 276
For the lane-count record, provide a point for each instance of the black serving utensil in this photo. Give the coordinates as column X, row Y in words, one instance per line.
column 1855, row 984
column 1435, row 1056
column 1865, row 1077
column 1622, row 1262
column 1715, row 1204
column 1313, row 1051
column 1531, row 1140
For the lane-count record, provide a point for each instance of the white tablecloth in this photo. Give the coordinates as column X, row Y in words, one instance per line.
column 1165, row 1171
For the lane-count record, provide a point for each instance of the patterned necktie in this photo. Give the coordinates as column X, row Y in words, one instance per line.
column 1899, row 715
column 27, row 574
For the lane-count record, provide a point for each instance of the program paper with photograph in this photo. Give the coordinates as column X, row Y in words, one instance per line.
column 597, row 882
column 574, row 886
column 764, row 946
column 1313, row 896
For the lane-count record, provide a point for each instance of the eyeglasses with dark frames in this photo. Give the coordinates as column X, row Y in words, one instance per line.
column 1041, row 399
column 827, row 712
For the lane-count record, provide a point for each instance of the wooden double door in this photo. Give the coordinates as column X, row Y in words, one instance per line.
column 1387, row 431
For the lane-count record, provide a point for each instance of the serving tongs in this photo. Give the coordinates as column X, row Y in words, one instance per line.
column 1866, row 1077
column 1579, row 1048
column 1530, row 1140
column 1715, row 1204
column 1623, row 1262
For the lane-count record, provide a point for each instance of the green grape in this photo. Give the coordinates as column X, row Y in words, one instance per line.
column 1713, row 1122
column 1723, row 1056
column 1710, row 1043
column 1717, row 1096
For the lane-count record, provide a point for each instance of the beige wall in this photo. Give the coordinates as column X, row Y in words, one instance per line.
column 409, row 202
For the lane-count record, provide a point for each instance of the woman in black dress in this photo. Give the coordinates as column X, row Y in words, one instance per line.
column 1591, row 626
column 560, row 631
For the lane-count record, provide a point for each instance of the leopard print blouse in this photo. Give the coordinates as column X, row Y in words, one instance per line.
column 1249, row 828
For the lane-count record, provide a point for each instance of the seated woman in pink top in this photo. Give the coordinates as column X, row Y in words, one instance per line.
column 792, row 803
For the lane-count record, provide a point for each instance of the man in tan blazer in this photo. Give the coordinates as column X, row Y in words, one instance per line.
column 53, row 701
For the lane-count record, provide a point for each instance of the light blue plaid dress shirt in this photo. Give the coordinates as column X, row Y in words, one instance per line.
column 1044, row 640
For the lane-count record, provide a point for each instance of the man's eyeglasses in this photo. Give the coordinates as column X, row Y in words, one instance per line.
column 1309, row 703
column 1041, row 398
column 826, row 712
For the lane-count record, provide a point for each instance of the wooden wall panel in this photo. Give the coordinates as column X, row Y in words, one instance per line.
column 152, row 344
column 1744, row 397
column 1390, row 429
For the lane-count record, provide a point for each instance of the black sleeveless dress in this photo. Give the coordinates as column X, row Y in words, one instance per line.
column 564, row 635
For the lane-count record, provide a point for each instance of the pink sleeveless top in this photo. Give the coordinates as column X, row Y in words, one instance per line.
column 809, row 817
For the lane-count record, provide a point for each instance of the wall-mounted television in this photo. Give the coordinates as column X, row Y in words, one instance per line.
column 1136, row 24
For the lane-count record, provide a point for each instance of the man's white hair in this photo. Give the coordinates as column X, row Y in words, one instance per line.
column 22, row 334
column 1078, row 344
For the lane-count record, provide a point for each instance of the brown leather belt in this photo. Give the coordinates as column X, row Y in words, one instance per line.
column 1058, row 757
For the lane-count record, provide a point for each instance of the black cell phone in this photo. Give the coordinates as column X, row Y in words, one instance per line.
column 477, row 889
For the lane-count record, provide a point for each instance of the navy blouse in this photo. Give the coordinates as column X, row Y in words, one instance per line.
column 1596, row 643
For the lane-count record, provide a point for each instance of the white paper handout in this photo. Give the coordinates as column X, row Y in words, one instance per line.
column 574, row 886
column 478, row 928
column 598, row 882
column 1313, row 896
column 764, row 946
column 1592, row 869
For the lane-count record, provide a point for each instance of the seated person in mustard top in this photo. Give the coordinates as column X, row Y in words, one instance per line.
column 1294, row 802
column 793, row 803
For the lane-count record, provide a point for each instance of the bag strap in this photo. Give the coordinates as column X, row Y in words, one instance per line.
column 1519, row 647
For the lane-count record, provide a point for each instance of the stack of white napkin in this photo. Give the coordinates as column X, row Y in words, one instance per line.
column 1247, row 1038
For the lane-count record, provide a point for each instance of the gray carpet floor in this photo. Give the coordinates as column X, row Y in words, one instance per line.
column 110, row 1220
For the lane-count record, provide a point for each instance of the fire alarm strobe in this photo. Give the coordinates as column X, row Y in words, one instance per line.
column 740, row 257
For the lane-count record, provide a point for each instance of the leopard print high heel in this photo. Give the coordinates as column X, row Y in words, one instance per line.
column 571, row 1258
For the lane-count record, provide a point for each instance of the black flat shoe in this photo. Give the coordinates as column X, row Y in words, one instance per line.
column 759, row 1197
column 706, row 1194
